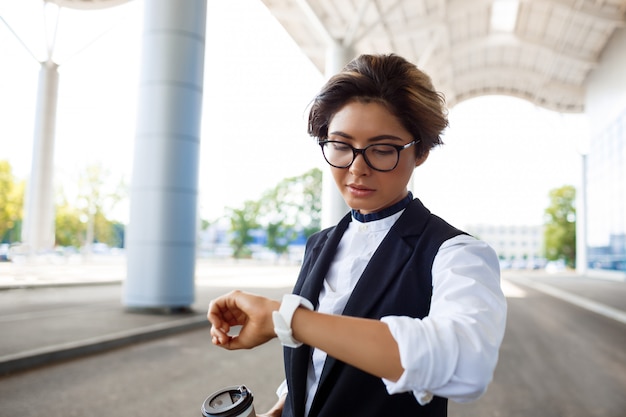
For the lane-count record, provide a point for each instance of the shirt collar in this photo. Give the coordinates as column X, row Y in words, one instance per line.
column 389, row 211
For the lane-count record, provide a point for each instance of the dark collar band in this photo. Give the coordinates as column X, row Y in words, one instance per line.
column 389, row 211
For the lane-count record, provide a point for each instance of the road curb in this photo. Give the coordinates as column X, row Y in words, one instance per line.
column 52, row 354
column 31, row 285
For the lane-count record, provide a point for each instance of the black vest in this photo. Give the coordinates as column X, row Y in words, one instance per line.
column 396, row 281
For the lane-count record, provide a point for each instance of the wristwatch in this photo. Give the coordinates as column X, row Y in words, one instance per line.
column 282, row 318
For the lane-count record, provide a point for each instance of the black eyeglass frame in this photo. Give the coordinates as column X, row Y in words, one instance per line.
column 357, row 151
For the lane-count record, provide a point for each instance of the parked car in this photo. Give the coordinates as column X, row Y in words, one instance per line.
column 4, row 252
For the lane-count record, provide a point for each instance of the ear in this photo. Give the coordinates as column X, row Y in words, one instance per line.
column 419, row 161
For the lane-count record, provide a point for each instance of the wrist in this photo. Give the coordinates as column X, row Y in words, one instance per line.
column 283, row 318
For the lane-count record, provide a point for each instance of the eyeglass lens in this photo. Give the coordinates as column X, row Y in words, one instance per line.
column 379, row 156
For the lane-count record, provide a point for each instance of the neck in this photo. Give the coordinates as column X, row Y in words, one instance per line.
column 386, row 212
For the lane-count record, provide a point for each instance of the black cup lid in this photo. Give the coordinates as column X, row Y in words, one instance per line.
column 227, row 402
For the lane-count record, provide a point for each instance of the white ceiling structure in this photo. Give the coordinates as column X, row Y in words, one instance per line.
column 538, row 50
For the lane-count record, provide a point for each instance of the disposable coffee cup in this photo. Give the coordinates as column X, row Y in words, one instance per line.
column 229, row 402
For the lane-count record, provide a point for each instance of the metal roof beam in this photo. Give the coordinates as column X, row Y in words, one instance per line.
column 588, row 9
column 356, row 23
column 380, row 21
column 510, row 40
column 315, row 21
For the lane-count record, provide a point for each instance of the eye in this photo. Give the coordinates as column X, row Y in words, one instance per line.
column 382, row 150
column 340, row 146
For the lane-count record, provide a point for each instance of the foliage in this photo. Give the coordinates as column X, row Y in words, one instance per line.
column 69, row 230
column 242, row 222
column 72, row 221
column 290, row 209
column 279, row 236
column 85, row 221
column 11, row 203
column 96, row 200
column 560, row 225
column 205, row 224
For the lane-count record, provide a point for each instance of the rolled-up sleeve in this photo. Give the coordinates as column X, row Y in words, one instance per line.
column 453, row 351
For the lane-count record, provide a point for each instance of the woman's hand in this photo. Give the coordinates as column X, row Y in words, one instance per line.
column 276, row 410
column 237, row 308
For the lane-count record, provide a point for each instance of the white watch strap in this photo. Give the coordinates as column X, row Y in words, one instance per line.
column 282, row 318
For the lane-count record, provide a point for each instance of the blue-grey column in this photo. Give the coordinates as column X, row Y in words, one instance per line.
column 333, row 205
column 164, row 188
column 38, row 225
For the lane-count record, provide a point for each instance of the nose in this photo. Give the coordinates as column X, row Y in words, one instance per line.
column 359, row 166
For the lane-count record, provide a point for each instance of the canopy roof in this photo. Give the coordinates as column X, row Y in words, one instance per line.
column 539, row 50
column 86, row 4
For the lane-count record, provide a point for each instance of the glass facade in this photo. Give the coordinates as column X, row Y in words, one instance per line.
column 606, row 198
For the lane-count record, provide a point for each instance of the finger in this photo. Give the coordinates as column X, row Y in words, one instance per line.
column 215, row 320
column 224, row 310
column 217, row 317
column 219, row 337
column 223, row 339
column 232, row 343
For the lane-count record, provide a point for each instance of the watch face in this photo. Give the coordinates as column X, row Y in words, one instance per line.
column 227, row 402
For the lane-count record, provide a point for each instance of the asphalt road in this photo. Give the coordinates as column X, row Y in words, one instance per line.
column 557, row 360
column 169, row 376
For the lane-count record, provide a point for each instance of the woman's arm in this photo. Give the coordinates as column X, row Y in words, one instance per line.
column 452, row 352
column 363, row 343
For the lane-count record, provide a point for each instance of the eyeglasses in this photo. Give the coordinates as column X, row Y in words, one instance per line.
column 378, row 156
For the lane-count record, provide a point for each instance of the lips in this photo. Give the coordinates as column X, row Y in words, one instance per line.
column 359, row 187
column 359, row 190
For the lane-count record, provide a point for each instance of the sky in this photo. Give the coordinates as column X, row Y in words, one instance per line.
column 500, row 159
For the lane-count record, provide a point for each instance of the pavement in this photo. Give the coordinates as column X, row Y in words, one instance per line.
column 54, row 310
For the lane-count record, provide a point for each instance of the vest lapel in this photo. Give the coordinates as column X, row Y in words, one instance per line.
column 310, row 288
column 384, row 266
column 313, row 283
column 389, row 258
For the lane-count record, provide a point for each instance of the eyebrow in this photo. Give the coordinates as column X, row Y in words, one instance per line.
column 372, row 139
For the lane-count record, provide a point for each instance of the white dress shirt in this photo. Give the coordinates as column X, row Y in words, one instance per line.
column 453, row 351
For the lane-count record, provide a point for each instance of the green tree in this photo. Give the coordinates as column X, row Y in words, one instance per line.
column 11, row 203
column 86, row 221
column 311, row 204
column 293, row 206
column 99, row 194
column 285, row 211
column 242, row 222
column 69, row 230
column 560, row 225
column 279, row 236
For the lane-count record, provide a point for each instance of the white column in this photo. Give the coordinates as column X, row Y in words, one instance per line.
column 164, row 188
column 333, row 205
column 581, row 220
column 38, row 223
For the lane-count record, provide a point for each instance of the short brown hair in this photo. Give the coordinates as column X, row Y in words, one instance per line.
column 393, row 81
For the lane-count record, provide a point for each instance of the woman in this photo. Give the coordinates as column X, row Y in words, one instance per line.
column 394, row 311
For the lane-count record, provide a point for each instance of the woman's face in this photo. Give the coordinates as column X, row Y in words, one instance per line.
column 363, row 188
